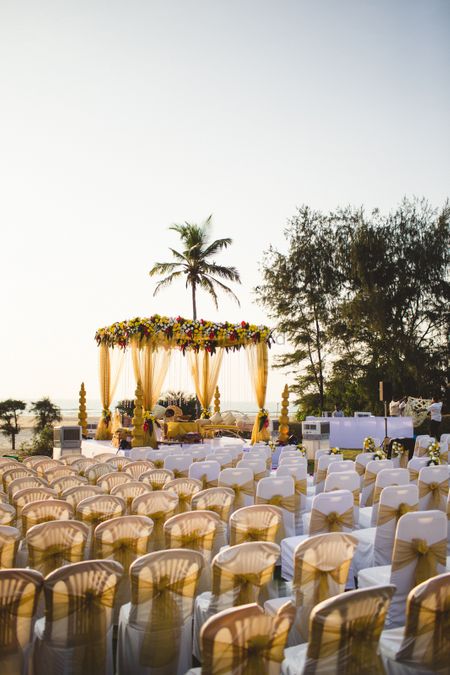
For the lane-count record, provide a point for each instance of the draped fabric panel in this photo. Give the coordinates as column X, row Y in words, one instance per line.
column 258, row 363
column 205, row 369
column 110, row 367
column 150, row 365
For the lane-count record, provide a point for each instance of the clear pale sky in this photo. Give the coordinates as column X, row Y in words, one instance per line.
column 121, row 118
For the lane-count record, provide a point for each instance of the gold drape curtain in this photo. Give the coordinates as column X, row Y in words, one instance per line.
column 150, row 365
column 110, row 367
column 258, row 364
column 205, row 369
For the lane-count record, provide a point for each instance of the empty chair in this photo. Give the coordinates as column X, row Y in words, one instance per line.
column 421, row 445
column 384, row 478
column 298, row 473
column 225, row 459
column 375, row 544
column 423, row 645
column 242, row 483
column 419, row 553
column 13, row 474
column 156, row 478
column 345, row 480
column 77, row 629
column 129, row 490
column 123, row 539
column 94, row 472
column 157, row 457
column 119, row 462
column 414, row 466
column 66, row 482
column 30, row 462
column 43, row 511
column 56, row 543
column 95, row 510
column 179, row 464
column 7, row 514
column 24, row 483
column 433, row 488
column 361, row 461
column 46, row 464
column 184, row 488
column 58, row 472
column 155, row 628
column 331, row 512
column 321, row 567
column 9, row 544
column 217, row 499
column 110, row 480
column 341, row 465
column 370, row 476
column 197, row 454
column 82, row 464
column 245, row 640
column 158, row 505
column 105, row 456
column 240, row 574
column 344, row 635
column 19, row 592
column 76, row 494
column 292, row 458
column 205, row 471
column 257, row 466
column 136, row 468
column 279, row 491
column 71, row 459
column 29, row 495
column 256, row 523
column 322, row 469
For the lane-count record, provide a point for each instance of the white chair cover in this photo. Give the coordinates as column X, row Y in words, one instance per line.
column 322, row 468
column 299, row 475
column 344, row 480
column 370, row 475
column 256, row 523
column 241, row 481
column 414, row 466
column 280, row 492
column 433, row 488
column 384, row 478
column 205, row 471
column 179, row 464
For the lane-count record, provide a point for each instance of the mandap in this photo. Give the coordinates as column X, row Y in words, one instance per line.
column 152, row 340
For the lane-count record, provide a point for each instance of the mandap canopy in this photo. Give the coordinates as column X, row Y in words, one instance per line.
column 204, row 342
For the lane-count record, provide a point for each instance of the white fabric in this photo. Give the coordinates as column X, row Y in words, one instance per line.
column 417, row 463
column 257, row 466
column 230, row 477
column 180, row 462
column 373, row 466
column 342, row 465
column 362, row 460
column 433, row 474
column 209, row 468
column 283, row 486
column 435, row 410
column 322, row 465
column 297, row 472
column 430, row 526
column 387, row 477
column 345, row 480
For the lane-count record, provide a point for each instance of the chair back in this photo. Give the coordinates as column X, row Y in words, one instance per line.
column 395, row 501
column 323, row 463
column 241, row 481
column 361, row 461
column 217, row 499
column 207, row 472
column 256, row 465
column 195, row 530
column 58, row 472
column 76, row 494
column 345, row 632
column 44, row 510
column 13, row 474
column 246, row 639
column 119, row 462
column 259, row 522
column 321, row 568
column 56, row 543
column 7, row 514
column 184, row 488
column 129, row 490
column 123, row 539
column 81, row 465
column 414, row 466
column 279, row 491
column 341, row 465
column 138, row 467
column 433, row 488
column 384, row 478
column 332, row 512
column 94, row 472
column 298, row 472
column 110, row 480
column 9, row 543
column 157, row 478
column 179, row 464
column 345, row 480
column 97, row 509
column 66, row 482
column 370, row 476
column 158, row 505
column 104, row 456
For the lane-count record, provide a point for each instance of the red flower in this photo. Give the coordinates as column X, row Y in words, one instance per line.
column 212, row 335
column 244, row 324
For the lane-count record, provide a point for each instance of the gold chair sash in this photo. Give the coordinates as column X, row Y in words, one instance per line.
column 387, row 513
column 403, row 460
column 301, row 487
column 160, row 645
column 258, row 476
column 52, row 557
column 195, row 540
column 428, row 557
column 438, row 492
column 243, row 489
column 241, row 533
column 330, row 522
column 207, row 483
column 245, row 586
column 288, row 503
column 355, row 642
column 305, row 573
column 321, row 475
column 124, row 550
column 369, row 479
column 180, row 473
column 360, row 468
column 413, row 475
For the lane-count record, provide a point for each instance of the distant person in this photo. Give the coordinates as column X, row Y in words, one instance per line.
column 435, row 410
column 402, row 405
column 337, row 412
column 394, row 408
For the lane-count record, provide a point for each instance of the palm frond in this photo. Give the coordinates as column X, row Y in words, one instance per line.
column 217, row 245
column 229, row 273
column 163, row 268
column 178, row 256
column 222, row 287
column 167, row 281
column 208, row 286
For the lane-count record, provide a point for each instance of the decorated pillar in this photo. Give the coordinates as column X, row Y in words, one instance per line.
column 138, row 418
column 283, row 434
column 82, row 413
column 217, row 400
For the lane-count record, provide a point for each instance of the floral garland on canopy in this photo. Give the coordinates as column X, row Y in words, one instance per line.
column 183, row 333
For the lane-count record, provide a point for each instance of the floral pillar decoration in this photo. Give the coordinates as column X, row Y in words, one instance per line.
column 217, row 400
column 138, row 419
column 284, row 416
column 82, row 414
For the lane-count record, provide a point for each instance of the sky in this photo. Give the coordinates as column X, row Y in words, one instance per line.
column 118, row 119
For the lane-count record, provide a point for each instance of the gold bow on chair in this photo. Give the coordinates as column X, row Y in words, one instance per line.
column 241, row 533
column 246, row 587
column 180, row 473
column 355, row 642
column 428, row 557
column 283, row 502
column 330, row 522
column 124, row 550
column 258, row 476
column 387, row 513
column 305, row 574
column 50, row 558
column 243, row 489
column 360, row 469
column 207, row 483
column 158, row 537
column 301, row 487
column 160, row 645
column 438, row 491
column 195, row 540
column 22, row 607
column 369, row 479
column 413, row 475
column 321, row 475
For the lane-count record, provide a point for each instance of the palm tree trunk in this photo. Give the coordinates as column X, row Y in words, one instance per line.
column 194, row 302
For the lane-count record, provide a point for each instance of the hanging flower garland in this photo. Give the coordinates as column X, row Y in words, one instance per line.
column 263, row 419
column 183, row 333
column 149, row 422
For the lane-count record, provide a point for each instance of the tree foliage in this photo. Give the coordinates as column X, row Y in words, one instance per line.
column 10, row 410
column 45, row 414
column 195, row 265
column 362, row 298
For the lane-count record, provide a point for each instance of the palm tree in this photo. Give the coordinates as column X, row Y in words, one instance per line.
column 194, row 262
